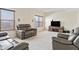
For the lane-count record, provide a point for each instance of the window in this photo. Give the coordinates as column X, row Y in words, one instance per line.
column 38, row 21
column 7, row 19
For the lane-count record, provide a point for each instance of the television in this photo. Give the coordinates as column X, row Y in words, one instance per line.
column 55, row 23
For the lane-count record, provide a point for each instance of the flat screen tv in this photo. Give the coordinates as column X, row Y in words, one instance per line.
column 55, row 23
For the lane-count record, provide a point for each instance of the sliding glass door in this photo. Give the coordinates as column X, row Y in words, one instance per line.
column 38, row 21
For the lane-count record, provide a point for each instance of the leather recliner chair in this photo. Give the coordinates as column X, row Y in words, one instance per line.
column 25, row 31
column 66, row 42
column 6, row 43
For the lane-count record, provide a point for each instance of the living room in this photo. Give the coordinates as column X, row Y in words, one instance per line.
column 39, row 29
column 65, row 16
column 42, row 38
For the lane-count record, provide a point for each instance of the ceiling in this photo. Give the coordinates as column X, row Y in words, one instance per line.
column 49, row 10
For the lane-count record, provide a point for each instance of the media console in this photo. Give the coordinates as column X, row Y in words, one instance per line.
column 56, row 29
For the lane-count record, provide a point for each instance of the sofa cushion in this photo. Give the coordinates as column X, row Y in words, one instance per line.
column 61, row 40
column 23, row 26
column 28, row 29
column 28, row 33
column 72, row 37
column 62, row 35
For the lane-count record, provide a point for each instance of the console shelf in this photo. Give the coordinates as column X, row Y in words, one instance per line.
column 56, row 29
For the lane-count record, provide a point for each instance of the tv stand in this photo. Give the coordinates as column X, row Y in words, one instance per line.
column 56, row 29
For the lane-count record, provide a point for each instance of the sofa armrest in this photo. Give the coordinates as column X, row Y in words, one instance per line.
column 62, row 41
column 20, row 33
column 21, row 46
column 61, row 35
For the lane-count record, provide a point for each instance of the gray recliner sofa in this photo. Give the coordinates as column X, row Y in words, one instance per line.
column 66, row 42
column 6, row 43
column 25, row 31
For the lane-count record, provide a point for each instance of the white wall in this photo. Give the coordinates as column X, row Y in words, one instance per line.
column 26, row 16
column 78, row 19
column 69, row 19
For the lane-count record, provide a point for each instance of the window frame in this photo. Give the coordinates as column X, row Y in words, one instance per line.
column 8, row 20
